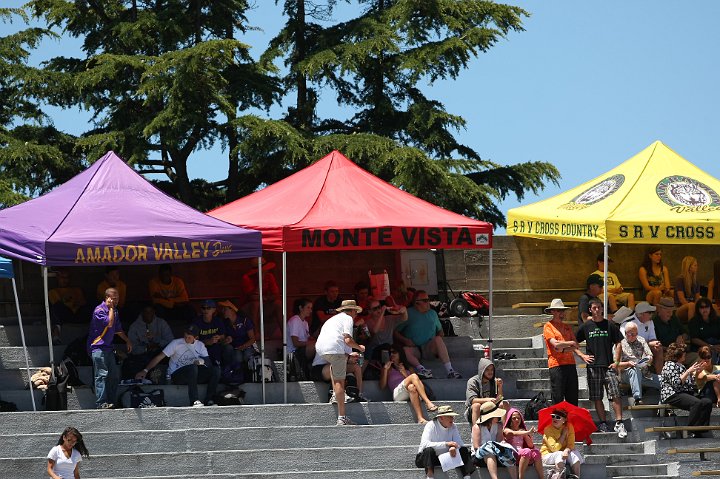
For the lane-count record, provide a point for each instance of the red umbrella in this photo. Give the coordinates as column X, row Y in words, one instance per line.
column 579, row 417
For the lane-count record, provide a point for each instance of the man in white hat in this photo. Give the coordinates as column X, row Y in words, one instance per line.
column 334, row 345
column 561, row 347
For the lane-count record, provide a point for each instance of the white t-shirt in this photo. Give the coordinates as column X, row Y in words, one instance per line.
column 64, row 466
column 332, row 335
column 299, row 328
column 181, row 353
column 645, row 330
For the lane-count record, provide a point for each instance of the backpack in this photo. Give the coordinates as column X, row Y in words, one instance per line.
column 141, row 399
column 477, row 301
column 56, row 393
column 297, row 365
column 261, row 370
column 73, row 375
column 533, row 406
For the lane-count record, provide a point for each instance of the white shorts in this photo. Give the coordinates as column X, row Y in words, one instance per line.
column 556, row 458
column 400, row 393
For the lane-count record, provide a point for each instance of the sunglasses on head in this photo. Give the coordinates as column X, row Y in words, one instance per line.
column 556, row 416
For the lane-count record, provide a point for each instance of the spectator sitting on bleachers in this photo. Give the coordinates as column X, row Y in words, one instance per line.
column 382, row 325
column 67, row 305
column 439, row 436
column 558, row 446
column 481, row 388
column 170, row 296
column 240, row 332
column 189, row 364
column 646, row 330
column 422, row 336
column 594, row 285
column 362, row 295
column 654, row 276
column 404, row 383
column 687, row 289
column 325, row 307
column 149, row 335
column 633, row 358
column 678, row 388
column 617, row 296
column 272, row 312
column 704, row 328
column 298, row 329
column 112, row 280
column 487, row 436
column 708, row 379
column 517, row 434
column 211, row 331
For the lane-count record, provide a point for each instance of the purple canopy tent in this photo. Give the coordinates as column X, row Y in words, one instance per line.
column 109, row 214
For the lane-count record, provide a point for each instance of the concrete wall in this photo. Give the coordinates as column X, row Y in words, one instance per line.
column 525, row 270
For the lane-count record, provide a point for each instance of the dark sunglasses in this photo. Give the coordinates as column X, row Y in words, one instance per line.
column 424, row 300
column 557, row 416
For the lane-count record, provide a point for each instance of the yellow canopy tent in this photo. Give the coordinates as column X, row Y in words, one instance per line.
column 655, row 197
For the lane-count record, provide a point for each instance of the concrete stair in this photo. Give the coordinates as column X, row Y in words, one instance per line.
column 246, row 441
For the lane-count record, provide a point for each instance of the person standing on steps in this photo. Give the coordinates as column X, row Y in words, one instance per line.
column 63, row 460
column 601, row 337
column 561, row 350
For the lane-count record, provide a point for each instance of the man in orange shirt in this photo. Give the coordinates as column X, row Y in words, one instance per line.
column 169, row 296
column 561, row 348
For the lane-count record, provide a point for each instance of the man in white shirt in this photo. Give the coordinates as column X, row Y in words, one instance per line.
column 334, row 345
column 189, row 364
column 646, row 330
column 439, row 436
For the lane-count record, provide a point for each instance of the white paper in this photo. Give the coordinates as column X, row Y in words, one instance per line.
column 448, row 462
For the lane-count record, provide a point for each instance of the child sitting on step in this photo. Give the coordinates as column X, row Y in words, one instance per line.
column 521, row 438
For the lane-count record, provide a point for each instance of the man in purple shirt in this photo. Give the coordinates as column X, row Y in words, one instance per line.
column 104, row 325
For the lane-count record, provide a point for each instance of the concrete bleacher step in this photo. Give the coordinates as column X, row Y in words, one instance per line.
column 649, row 469
column 13, row 357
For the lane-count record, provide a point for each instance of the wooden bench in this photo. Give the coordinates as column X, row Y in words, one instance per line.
column 695, row 450
column 706, row 473
column 650, row 407
column 682, row 429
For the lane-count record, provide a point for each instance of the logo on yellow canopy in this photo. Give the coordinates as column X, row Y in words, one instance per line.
column 687, row 194
column 595, row 193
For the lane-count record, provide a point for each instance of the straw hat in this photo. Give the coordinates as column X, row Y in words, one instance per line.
column 489, row 410
column 349, row 304
column 445, row 411
column 556, row 303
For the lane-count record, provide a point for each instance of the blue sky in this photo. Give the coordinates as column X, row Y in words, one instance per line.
column 585, row 87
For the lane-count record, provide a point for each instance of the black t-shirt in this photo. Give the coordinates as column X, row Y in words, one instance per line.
column 322, row 304
column 599, row 340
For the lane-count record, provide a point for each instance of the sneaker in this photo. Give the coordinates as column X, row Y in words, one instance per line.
column 620, row 430
column 333, row 399
column 106, row 405
column 638, row 402
column 454, row 374
column 424, row 373
column 602, row 427
column 197, row 404
column 345, row 421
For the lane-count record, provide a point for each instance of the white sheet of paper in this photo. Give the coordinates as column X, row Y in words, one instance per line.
column 448, row 462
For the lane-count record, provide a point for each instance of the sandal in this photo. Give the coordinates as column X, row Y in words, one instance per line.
column 433, row 409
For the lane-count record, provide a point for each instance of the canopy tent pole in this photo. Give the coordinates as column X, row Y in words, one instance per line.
column 606, row 246
column 490, row 302
column 262, row 328
column 22, row 338
column 47, row 318
column 284, row 314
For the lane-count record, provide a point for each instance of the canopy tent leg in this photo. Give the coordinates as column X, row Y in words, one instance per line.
column 284, row 315
column 262, row 327
column 47, row 319
column 490, row 302
column 606, row 247
column 22, row 338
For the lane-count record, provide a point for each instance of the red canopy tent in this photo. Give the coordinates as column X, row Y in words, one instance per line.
column 335, row 205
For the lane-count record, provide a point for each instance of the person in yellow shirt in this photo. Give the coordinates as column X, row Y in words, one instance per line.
column 558, row 444
column 169, row 296
column 112, row 280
